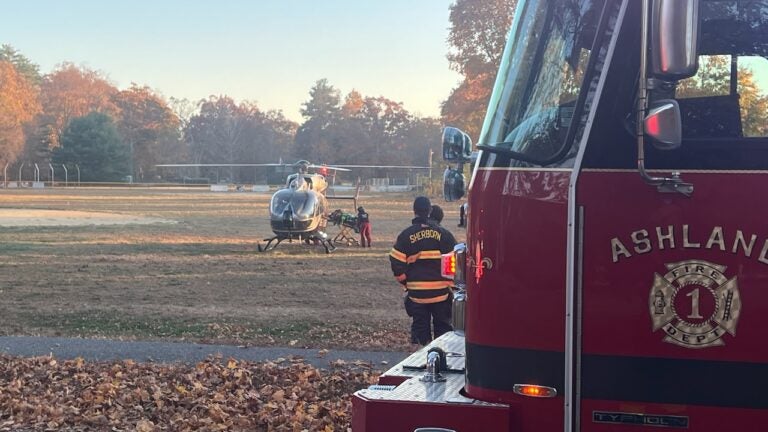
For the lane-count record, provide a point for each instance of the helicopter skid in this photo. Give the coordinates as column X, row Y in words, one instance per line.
column 269, row 245
column 327, row 244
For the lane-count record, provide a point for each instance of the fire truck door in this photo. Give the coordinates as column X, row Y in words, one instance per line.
column 672, row 290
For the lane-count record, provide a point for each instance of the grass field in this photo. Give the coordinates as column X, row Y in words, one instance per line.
column 197, row 276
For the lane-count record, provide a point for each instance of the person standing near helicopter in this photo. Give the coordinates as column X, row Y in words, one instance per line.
column 364, row 226
column 415, row 261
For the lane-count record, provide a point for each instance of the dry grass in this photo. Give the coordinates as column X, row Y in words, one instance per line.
column 199, row 278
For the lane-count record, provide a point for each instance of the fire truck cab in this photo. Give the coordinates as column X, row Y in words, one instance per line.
column 615, row 274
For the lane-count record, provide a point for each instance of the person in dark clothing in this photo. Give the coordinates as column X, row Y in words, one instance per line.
column 463, row 215
column 436, row 214
column 415, row 260
column 364, row 227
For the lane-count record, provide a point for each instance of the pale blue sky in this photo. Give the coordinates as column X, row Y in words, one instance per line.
column 270, row 51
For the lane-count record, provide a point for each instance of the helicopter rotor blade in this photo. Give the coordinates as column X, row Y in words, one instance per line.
column 328, row 167
column 386, row 166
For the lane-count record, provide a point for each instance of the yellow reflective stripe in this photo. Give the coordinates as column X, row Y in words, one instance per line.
column 417, row 285
column 437, row 299
column 396, row 254
column 427, row 254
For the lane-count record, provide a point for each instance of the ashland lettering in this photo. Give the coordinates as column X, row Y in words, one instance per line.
column 670, row 237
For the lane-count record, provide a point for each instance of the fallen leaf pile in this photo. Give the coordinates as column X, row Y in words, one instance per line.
column 43, row 393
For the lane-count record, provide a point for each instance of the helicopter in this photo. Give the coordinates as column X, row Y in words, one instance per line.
column 299, row 210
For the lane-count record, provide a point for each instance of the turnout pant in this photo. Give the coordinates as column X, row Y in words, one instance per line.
column 365, row 234
column 422, row 313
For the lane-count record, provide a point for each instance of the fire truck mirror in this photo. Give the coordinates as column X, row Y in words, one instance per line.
column 674, row 38
column 457, row 145
column 664, row 125
column 453, row 184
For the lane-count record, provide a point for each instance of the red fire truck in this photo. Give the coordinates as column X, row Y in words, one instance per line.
column 616, row 265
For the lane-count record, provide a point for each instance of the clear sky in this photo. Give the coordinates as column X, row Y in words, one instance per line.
column 268, row 51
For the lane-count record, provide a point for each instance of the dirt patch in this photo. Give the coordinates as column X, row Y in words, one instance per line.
column 37, row 218
column 200, row 278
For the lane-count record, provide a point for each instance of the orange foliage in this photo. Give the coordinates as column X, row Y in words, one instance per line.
column 477, row 36
column 149, row 127
column 18, row 105
column 70, row 92
column 353, row 104
column 465, row 107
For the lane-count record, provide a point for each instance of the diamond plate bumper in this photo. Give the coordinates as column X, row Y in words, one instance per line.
column 413, row 404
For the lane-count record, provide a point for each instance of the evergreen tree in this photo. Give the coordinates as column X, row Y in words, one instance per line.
column 23, row 65
column 93, row 143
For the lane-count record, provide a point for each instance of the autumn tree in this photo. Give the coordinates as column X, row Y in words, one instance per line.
column 466, row 105
column 94, row 144
column 713, row 79
column 18, row 105
column 227, row 132
column 148, row 127
column 367, row 130
column 422, row 138
column 477, row 37
column 273, row 135
column 754, row 105
column 386, row 122
column 184, row 109
column 353, row 104
column 217, row 130
column 70, row 92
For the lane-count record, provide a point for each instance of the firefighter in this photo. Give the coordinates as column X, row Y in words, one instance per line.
column 364, row 227
column 436, row 214
column 415, row 261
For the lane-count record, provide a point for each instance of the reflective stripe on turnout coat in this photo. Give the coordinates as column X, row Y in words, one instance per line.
column 415, row 260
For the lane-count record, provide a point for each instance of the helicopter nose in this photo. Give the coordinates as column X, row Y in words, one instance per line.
column 288, row 218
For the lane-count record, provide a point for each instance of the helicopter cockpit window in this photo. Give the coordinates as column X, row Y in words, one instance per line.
column 293, row 182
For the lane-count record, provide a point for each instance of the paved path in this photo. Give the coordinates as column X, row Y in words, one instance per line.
column 167, row 352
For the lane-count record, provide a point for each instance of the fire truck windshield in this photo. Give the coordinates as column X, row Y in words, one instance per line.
column 537, row 90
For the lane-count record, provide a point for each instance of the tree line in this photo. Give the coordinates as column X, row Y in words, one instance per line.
column 75, row 115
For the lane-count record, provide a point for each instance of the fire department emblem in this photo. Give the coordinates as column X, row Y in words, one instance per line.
column 695, row 304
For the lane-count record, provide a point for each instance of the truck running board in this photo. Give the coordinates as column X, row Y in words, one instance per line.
column 403, row 401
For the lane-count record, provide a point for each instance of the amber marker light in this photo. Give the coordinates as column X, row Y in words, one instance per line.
column 536, row 391
column 448, row 265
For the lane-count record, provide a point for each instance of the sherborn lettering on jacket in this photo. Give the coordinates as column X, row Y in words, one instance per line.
column 643, row 242
column 426, row 234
